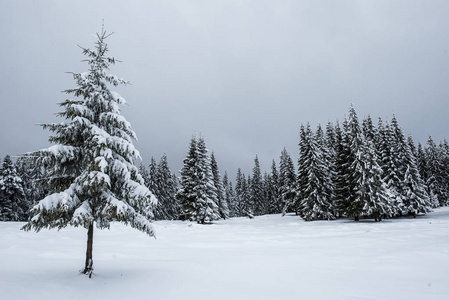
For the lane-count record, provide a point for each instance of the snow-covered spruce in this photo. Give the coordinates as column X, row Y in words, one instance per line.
column 197, row 195
column 256, row 190
column 13, row 203
column 159, row 179
column 315, row 190
column 287, row 182
column 91, row 173
column 368, row 192
column 272, row 187
column 223, row 206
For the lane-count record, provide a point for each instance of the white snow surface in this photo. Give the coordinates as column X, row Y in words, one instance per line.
column 268, row 257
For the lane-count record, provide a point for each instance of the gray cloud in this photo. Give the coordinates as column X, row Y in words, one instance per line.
column 245, row 74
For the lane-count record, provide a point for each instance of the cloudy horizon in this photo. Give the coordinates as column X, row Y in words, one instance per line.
column 244, row 74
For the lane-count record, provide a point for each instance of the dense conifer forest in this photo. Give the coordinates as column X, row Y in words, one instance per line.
column 351, row 168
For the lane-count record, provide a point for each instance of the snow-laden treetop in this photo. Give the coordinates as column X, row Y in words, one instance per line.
column 92, row 177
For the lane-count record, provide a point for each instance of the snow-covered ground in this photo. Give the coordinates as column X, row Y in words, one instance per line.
column 269, row 257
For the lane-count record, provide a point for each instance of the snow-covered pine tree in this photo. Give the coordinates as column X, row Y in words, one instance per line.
column 356, row 166
column 242, row 195
column 233, row 205
column 342, row 189
column 91, row 173
column 370, row 189
column 330, row 143
column 328, row 156
column 411, row 145
column 240, row 198
column 331, row 138
column 230, row 196
column 167, row 189
column 443, row 148
column 249, row 203
column 186, row 194
column 31, row 176
column 402, row 159
column 414, row 198
column 381, row 144
column 145, row 174
column 287, row 182
column 274, row 201
column 207, row 192
column 369, row 194
column 197, row 195
column 257, row 195
column 389, row 161
column 13, row 204
column 422, row 164
column 435, row 168
column 315, row 191
column 161, row 181
column 153, row 184
column 302, row 178
column 266, row 182
column 223, row 207
column 424, row 172
column 369, row 132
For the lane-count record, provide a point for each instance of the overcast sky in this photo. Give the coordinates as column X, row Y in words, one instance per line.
column 244, row 74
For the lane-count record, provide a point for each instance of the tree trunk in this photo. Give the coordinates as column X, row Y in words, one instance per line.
column 88, row 268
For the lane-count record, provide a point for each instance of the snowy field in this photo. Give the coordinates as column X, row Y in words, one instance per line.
column 269, row 257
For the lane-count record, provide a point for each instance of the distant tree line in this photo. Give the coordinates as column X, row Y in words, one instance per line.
column 350, row 169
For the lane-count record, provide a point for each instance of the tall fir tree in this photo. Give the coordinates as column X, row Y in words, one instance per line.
column 32, row 177
column 166, row 190
column 152, row 183
column 266, row 183
column 13, row 203
column 414, row 197
column 357, row 166
column 411, row 145
column 256, row 189
column 197, row 195
column 443, row 148
column 389, row 162
column 315, row 191
column 421, row 162
column 208, row 209
column 186, row 194
column 274, row 201
column 330, row 145
column 247, row 199
column 241, row 195
column 287, row 182
column 342, row 190
column 435, row 170
column 91, row 173
column 223, row 207
column 370, row 189
column 331, row 137
column 230, row 196
column 369, row 194
column 144, row 173
column 369, row 132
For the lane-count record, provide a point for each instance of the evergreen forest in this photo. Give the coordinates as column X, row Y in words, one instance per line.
column 351, row 168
